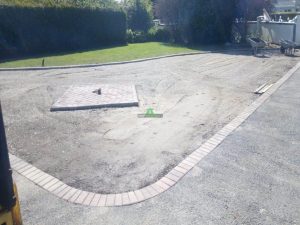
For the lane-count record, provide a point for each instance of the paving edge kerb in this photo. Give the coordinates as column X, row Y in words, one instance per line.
column 73, row 195
column 112, row 63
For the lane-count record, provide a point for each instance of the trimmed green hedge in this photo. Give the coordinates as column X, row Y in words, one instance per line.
column 48, row 30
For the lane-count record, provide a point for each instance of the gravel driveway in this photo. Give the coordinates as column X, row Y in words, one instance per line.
column 112, row 150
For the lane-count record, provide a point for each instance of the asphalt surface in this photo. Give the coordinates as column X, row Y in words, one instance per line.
column 112, row 150
column 252, row 178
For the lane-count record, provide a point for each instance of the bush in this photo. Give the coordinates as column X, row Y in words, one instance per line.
column 47, row 30
column 129, row 36
column 158, row 34
column 136, row 36
column 153, row 34
column 62, row 3
column 140, row 37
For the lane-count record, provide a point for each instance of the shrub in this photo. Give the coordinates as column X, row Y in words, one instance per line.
column 62, row 3
column 43, row 30
column 136, row 36
column 140, row 37
column 129, row 36
column 158, row 34
column 153, row 34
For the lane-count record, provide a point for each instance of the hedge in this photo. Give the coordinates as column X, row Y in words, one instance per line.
column 48, row 30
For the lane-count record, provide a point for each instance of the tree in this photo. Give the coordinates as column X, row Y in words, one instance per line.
column 198, row 21
column 251, row 9
column 212, row 20
column 203, row 21
column 176, row 15
column 139, row 14
column 169, row 11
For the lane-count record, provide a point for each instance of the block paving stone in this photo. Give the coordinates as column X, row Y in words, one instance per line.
column 86, row 97
column 95, row 200
column 88, row 198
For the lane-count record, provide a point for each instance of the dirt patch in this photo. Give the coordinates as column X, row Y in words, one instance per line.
column 112, row 150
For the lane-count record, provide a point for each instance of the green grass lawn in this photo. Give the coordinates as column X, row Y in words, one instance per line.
column 114, row 54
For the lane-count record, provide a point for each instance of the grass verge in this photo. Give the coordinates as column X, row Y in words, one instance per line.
column 114, row 54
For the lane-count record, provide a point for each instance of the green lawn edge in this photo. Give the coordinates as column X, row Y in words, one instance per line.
column 105, row 55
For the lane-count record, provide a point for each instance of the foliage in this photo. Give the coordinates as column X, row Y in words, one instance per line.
column 129, row 36
column 61, row 3
column 153, row 34
column 136, row 36
column 250, row 9
column 158, row 34
column 202, row 21
column 40, row 30
column 212, row 20
column 176, row 15
column 139, row 14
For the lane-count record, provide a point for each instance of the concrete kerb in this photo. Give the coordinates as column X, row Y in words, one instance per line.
column 73, row 195
column 112, row 63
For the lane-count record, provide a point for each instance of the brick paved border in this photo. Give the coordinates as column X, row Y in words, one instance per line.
column 73, row 195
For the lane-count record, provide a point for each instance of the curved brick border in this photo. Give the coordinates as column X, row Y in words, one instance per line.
column 73, row 195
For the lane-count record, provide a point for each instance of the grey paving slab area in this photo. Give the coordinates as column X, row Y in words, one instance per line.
column 96, row 96
column 253, row 177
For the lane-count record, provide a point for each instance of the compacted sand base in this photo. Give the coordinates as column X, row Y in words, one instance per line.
column 113, row 150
